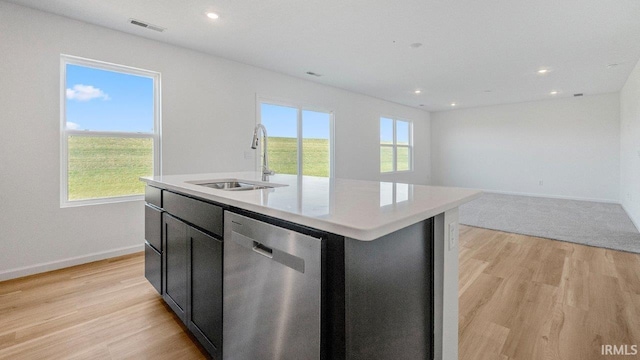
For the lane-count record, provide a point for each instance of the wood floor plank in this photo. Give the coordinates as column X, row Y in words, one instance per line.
column 102, row 310
column 555, row 300
column 470, row 269
column 549, row 267
column 485, row 344
column 530, row 322
column 476, row 298
column 626, row 267
column 575, row 284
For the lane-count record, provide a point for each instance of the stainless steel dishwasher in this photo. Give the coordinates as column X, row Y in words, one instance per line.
column 272, row 289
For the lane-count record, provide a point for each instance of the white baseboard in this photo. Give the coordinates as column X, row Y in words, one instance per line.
column 606, row 201
column 630, row 217
column 59, row 264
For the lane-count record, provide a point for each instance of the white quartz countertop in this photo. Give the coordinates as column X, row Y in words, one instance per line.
column 363, row 210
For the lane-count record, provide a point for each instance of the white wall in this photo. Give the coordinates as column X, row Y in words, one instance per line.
column 630, row 146
column 571, row 144
column 208, row 108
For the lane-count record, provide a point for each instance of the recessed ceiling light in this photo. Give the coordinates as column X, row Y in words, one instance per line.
column 553, row 92
column 417, row 91
column 212, row 15
column 453, row 104
column 543, row 71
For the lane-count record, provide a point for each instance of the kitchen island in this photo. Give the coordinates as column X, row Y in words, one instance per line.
column 307, row 267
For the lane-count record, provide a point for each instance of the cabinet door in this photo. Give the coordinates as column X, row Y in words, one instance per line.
column 175, row 264
column 205, row 279
column 153, row 267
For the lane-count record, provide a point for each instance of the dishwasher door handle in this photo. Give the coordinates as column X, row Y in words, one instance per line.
column 262, row 249
column 283, row 257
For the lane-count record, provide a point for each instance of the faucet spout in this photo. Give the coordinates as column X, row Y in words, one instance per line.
column 265, row 146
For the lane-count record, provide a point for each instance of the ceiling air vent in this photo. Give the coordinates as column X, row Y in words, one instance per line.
column 576, row 95
column 146, row 25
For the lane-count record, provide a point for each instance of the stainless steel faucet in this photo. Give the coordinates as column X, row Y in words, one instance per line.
column 265, row 159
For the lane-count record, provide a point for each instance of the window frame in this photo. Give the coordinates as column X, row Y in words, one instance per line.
column 394, row 146
column 156, row 135
column 299, row 123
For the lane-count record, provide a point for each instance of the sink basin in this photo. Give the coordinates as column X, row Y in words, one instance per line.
column 235, row 185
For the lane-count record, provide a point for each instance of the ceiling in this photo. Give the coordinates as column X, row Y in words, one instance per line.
column 473, row 52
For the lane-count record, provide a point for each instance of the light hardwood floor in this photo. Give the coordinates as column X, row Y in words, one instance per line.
column 520, row 298
column 523, row 297
column 102, row 310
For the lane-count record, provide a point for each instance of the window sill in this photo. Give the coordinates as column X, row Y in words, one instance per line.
column 396, row 172
column 100, row 201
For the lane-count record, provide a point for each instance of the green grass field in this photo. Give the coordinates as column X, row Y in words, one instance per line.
column 386, row 159
column 106, row 167
column 283, row 156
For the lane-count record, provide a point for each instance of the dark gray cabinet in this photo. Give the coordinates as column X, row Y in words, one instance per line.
column 153, row 237
column 153, row 196
column 204, row 317
column 175, row 264
column 202, row 214
column 153, row 227
column 190, row 268
column 153, row 267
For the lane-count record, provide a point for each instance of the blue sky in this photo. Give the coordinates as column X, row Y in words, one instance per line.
column 102, row 100
column 108, row 101
column 386, row 131
column 280, row 121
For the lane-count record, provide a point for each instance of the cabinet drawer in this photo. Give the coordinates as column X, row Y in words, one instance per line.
column 153, row 196
column 199, row 213
column 153, row 227
column 153, row 267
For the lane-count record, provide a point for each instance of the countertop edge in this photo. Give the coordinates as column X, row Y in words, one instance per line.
column 361, row 234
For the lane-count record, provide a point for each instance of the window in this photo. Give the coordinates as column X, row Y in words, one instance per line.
column 396, row 145
column 110, row 131
column 299, row 139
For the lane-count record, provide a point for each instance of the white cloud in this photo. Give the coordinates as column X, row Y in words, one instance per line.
column 85, row 93
column 72, row 125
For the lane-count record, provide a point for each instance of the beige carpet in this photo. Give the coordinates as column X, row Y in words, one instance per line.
column 583, row 222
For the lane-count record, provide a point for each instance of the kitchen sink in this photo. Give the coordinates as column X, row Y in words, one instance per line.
column 235, row 185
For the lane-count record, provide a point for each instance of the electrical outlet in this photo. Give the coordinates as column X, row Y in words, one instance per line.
column 453, row 235
column 540, row 182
